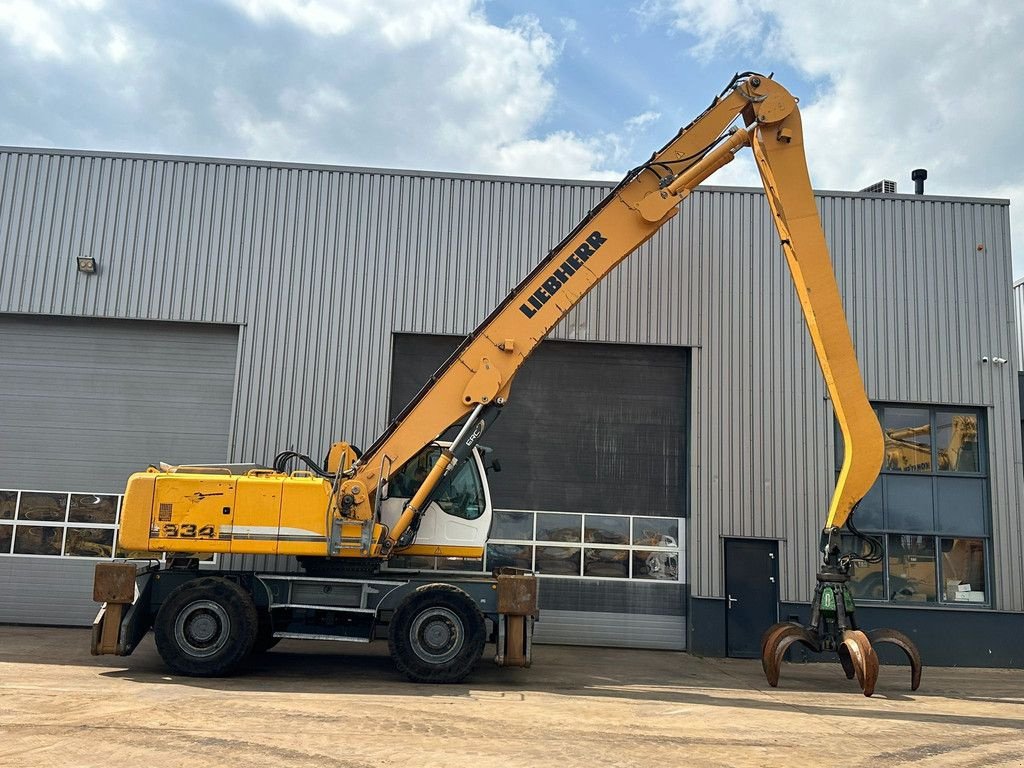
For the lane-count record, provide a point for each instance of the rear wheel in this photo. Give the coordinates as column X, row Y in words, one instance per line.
column 437, row 635
column 206, row 627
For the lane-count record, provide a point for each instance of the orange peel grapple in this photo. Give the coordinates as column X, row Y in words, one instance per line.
column 833, row 628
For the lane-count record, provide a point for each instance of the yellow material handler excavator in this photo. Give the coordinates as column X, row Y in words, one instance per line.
column 410, row 494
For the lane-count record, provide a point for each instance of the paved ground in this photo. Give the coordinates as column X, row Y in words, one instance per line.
column 322, row 705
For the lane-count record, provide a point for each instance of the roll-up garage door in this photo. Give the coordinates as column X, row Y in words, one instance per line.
column 83, row 404
column 592, row 492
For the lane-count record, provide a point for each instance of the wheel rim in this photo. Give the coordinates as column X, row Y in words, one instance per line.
column 202, row 628
column 437, row 635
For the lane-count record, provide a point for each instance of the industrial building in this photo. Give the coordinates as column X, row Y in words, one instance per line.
column 667, row 456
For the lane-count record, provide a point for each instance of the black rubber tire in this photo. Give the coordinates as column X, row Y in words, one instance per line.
column 218, row 616
column 451, row 611
column 265, row 639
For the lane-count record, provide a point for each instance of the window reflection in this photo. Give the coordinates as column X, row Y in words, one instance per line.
column 8, row 501
column 509, row 556
column 559, row 527
column 659, row 565
column 508, row 524
column 49, row 507
column 6, row 535
column 564, row 561
column 867, row 580
column 609, row 563
column 963, row 570
column 607, row 529
column 956, row 439
column 656, row 531
column 37, row 540
column 908, row 444
column 89, row 542
column 91, row 508
column 912, row 576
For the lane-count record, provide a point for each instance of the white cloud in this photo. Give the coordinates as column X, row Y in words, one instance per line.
column 395, row 83
column 901, row 85
column 644, row 118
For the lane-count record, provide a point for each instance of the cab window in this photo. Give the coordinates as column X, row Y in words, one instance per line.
column 461, row 493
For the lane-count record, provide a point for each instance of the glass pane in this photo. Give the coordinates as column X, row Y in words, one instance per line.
column 956, row 441
column 8, row 501
column 868, row 516
column 564, row 561
column 43, row 506
column 867, row 580
column 37, row 540
column 908, row 441
column 610, row 563
column 558, row 527
column 90, row 508
column 6, row 535
column 963, row 570
column 656, row 531
column 89, row 542
column 660, row 565
column 912, row 575
column 908, row 503
column 962, row 505
column 509, row 556
column 461, row 494
column 517, row 526
column 607, row 529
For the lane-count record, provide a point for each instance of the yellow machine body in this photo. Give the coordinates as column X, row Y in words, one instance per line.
column 262, row 513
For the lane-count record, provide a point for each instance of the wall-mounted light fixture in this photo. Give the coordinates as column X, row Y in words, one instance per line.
column 87, row 265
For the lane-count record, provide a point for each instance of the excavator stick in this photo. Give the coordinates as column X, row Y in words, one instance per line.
column 833, row 628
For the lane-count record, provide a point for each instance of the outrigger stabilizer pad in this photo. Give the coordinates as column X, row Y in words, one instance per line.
column 833, row 627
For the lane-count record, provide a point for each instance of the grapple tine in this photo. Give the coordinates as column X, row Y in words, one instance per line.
column 775, row 642
column 844, row 659
column 774, row 629
column 900, row 640
column 863, row 658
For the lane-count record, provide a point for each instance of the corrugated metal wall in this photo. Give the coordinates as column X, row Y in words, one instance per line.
column 321, row 265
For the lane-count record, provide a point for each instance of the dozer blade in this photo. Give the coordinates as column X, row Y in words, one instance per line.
column 776, row 641
column 861, row 655
column 900, row 640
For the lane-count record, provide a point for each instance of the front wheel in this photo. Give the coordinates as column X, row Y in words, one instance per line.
column 206, row 627
column 437, row 635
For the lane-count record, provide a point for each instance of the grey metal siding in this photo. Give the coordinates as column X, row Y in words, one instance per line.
column 322, row 265
column 84, row 402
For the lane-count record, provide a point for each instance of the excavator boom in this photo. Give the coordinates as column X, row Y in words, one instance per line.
column 476, row 380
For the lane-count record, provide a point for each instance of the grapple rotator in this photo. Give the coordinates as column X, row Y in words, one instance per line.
column 833, row 625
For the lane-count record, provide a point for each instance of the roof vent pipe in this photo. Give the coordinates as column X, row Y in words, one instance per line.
column 918, row 175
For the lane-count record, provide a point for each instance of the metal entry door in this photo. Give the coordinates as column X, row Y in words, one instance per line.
column 752, row 594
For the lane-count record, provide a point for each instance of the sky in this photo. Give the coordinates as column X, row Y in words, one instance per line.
column 552, row 88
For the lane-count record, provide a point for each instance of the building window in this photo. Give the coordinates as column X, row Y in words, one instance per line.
column 59, row 524
column 928, row 513
column 573, row 545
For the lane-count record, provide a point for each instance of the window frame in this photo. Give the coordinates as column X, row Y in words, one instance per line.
column 66, row 524
column 581, row 544
column 935, row 532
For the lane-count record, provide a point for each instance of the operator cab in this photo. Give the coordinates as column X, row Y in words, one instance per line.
column 460, row 514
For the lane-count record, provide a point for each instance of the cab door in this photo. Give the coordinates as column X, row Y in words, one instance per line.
column 457, row 522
